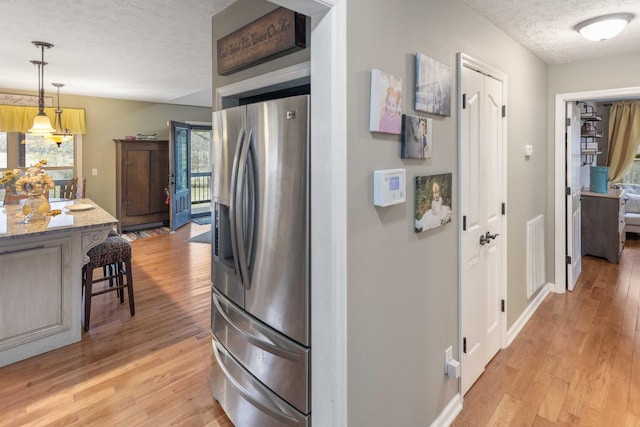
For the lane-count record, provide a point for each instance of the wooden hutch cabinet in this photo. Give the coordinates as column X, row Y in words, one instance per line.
column 142, row 174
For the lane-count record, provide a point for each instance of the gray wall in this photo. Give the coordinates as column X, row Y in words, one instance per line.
column 403, row 286
column 237, row 15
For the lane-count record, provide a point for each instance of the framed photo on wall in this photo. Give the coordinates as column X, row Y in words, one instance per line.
column 416, row 137
column 385, row 113
column 433, row 201
column 433, row 86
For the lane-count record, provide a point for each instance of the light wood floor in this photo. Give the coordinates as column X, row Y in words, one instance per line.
column 152, row 369
column 577, row 361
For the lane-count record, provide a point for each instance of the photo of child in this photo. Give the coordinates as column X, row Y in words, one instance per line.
column 433, row 86
column 433, row 201
column 386, row 103
column 416, row 137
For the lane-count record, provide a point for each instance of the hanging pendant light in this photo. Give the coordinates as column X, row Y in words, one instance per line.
column 61, row 134
column 41, row 123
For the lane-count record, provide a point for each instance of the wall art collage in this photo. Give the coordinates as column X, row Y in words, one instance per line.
column 432, row 95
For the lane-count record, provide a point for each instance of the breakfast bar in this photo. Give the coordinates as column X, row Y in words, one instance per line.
column 40, row 275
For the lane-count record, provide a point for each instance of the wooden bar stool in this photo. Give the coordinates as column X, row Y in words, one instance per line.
column 114, row 257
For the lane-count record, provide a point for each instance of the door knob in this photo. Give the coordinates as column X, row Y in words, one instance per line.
column 486, row 238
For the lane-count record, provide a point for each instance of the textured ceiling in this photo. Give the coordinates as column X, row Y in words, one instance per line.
column 160, row 50
column 151, row 50
column 546, row 27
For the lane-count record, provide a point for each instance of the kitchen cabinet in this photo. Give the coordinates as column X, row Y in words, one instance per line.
column 603, row 224
column 41, row 287
column 142, row 171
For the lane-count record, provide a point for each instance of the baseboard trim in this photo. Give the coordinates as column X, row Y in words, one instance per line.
column 513, row 332
column 449, row 413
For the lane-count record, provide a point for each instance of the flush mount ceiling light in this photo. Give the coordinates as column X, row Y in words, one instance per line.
column 41, row 123
column 604, row 27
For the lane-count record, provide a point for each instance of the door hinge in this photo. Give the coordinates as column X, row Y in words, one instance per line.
column 567, row 191
column 502, row 305
column 464, row 223
column 464, row 101
column 504, row 208
column 464, row 345
column 567, row 121
column 504, row 111
column 568, row 259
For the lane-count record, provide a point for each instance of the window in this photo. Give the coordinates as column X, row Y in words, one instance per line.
column 60, row 160
column 3, row 150
column 18, row 150
column 633, row 174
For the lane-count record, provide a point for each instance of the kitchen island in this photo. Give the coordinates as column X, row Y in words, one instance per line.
column 41, row 275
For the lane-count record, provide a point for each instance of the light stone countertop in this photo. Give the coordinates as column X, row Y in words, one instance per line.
column 12, row 225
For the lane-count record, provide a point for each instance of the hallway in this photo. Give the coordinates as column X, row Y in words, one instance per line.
column 577, row 361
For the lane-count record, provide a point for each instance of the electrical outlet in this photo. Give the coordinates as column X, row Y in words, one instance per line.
column 448, row 357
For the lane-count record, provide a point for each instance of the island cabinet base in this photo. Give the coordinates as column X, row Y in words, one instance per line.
column 40, row 295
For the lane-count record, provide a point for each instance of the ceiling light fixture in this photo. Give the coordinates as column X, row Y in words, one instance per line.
column 61, row 134
column 41, row 123
column 604, row 27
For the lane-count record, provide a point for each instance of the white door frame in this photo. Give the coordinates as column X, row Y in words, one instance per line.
column 464, row 60
column 561, row 99
column 328, row 68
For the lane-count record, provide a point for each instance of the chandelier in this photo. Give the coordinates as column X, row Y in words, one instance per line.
column 41, row 123
column 61, row 134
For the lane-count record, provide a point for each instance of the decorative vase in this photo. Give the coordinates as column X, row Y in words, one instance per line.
column 35, row 207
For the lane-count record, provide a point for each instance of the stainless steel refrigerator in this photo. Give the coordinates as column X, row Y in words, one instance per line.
column 260, row 305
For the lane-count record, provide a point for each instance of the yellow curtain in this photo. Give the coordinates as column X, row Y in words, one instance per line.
column 624, row 137
column 20, row 119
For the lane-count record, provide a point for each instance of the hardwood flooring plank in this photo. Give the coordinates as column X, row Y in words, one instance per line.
column 149, row 369
column 577, row 361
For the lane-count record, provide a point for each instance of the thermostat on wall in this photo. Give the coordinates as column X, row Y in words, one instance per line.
column 389, row 187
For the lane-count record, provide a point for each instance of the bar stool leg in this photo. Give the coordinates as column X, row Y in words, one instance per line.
column 132, row 308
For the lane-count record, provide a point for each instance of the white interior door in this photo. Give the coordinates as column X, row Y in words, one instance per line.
column 482, row 236
column 574, row 206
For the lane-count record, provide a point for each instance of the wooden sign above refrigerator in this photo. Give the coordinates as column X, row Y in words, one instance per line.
column 275, row 34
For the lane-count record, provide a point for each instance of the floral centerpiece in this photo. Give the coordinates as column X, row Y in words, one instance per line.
column 35, row 183
column 34, row 180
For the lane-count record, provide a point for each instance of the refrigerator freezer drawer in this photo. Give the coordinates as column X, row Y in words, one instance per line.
column 278, row 362
column 246, row 401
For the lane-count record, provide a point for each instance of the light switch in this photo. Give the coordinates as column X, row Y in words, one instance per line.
column 528, row 150
column 94, row 171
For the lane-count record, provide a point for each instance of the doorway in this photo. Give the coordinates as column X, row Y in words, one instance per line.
column 562, row 221
column 482, row 254
column 189, row 172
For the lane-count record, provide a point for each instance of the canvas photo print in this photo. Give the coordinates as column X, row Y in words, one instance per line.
column 385, row 113
column 433, row 86
column 433, row 201
column 416, row 137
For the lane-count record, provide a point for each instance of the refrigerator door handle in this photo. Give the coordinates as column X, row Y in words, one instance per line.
column 252, row 199
column 276, row 348
column 232, row 201
column 240, row 212
column 276, row 411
